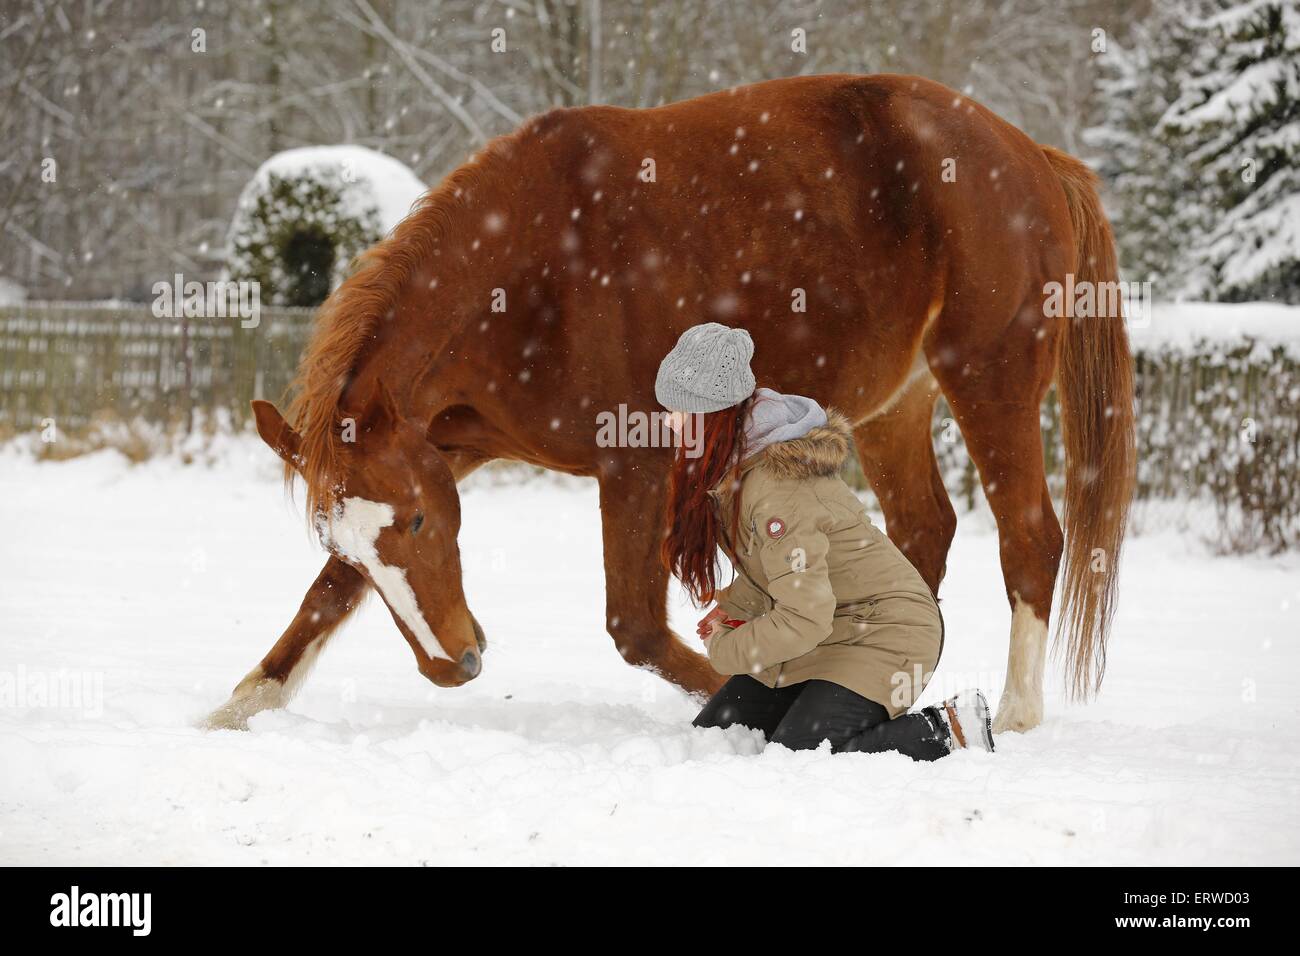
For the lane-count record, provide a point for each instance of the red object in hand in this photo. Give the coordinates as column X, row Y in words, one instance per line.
column 732, row 622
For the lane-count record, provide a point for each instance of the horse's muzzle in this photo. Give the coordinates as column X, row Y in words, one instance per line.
column 471, row 663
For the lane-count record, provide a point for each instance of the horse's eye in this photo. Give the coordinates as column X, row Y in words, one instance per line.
column 416, row 522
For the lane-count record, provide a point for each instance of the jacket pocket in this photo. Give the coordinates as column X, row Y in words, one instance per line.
column 852, row 623
column 860, row 611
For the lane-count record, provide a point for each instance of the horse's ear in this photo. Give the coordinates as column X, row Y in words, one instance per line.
column 275, row 431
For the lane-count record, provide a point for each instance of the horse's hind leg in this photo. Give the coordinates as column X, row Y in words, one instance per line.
column 995, row 396
column 337, row 590
column 896, row 449
column 636, row 585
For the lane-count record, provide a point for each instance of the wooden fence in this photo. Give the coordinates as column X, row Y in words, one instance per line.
column 1216, row 418
column 72, row 362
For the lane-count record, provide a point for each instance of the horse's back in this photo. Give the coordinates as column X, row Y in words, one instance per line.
column 884, row 164
column 874, row 200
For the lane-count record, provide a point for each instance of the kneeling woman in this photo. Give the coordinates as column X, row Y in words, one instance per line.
column 827, row 629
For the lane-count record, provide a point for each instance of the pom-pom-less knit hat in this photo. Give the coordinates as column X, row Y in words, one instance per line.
column 707, row 370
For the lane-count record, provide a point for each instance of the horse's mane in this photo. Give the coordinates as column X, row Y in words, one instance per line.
column 346, row 324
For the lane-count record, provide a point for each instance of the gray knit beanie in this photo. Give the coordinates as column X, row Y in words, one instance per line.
column 707, row 370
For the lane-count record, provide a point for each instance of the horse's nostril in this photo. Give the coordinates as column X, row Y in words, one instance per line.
column 471, row 663
column 479, row 636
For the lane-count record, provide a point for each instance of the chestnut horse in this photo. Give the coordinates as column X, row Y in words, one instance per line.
column 884, row 240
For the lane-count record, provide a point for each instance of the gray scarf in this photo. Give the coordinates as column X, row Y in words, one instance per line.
column 775, row 418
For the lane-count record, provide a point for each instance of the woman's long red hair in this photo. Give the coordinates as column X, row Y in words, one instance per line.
column 695, row 529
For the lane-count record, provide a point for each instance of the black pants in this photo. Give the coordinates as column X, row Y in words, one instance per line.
column 801, row 716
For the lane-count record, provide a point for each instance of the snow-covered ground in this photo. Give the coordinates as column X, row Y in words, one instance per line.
column 154, row 588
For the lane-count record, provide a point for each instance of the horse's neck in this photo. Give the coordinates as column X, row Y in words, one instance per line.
column 436, row 326
column 424, row 388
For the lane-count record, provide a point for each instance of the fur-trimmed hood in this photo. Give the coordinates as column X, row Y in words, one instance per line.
column 818, row 454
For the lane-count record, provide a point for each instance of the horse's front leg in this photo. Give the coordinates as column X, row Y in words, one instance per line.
column 632, row 504
column 336, row 592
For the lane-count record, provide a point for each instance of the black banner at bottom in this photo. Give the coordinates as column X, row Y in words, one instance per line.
column 214, row 906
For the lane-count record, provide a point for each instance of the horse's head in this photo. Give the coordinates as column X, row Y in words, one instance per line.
column 393, row 513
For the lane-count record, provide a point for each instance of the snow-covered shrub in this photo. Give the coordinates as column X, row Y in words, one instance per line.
column 308, row 212
column 299, row 240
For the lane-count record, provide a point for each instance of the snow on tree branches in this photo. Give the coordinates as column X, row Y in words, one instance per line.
column 1237, row 121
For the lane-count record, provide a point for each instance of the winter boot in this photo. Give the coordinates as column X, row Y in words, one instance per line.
column 965, row 716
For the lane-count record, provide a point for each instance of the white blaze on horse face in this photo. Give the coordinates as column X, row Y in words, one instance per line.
column 353, row 530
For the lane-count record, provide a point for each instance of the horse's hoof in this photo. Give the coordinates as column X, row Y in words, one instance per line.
column 223, row 718
column 1016, row 718
column 254, row 694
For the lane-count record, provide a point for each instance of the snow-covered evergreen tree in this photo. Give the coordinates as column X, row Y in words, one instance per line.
column 1145, row 171
column 1237, row 122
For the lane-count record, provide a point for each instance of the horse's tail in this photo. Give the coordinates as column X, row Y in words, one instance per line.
column 1094, row 385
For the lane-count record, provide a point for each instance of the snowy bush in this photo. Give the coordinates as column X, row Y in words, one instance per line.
column 298, row 240
column 308, row 212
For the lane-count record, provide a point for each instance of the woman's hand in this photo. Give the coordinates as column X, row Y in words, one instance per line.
column 710, row 624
